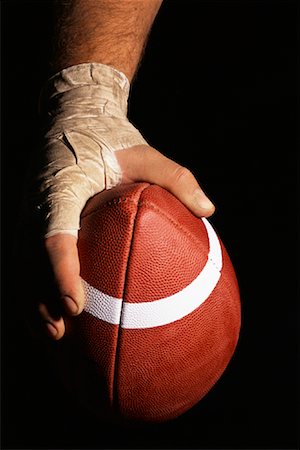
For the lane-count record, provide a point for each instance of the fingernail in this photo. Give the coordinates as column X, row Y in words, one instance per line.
column 51, row 330
column 70, row 305
column 201, row 200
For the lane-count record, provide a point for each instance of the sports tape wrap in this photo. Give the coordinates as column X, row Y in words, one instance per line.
column 86, row 107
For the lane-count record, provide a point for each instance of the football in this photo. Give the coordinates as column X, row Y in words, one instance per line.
column 162, row 314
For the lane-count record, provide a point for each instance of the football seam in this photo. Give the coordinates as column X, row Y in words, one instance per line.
column 118, row 201
column 140, row 203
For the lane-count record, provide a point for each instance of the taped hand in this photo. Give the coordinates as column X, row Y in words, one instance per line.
column 91, row 146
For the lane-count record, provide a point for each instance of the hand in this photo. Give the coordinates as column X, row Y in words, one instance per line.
column 138, row 163
column 90, row 146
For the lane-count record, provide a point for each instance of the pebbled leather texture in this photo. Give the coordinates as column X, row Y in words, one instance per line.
column 139, row 243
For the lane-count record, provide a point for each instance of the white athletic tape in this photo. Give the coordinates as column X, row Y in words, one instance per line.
column 163, row 311
column 86, row 107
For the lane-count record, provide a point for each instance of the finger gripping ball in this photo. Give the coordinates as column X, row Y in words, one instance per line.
column 162, row 313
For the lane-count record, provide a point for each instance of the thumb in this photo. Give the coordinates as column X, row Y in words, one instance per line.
column 63, row 256
column 143, row 163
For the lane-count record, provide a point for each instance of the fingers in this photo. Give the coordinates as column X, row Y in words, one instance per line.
column 142, row 163
column 55, row 328
column 63, row 256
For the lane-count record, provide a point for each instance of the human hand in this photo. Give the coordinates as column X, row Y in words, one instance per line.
column 127, row 163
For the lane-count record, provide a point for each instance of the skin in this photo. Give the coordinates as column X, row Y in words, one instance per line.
column 112, row 32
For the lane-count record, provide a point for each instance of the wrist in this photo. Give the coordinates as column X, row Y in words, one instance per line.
column 95, row 87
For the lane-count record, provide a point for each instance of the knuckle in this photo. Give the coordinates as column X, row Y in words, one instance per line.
column 58, row 243
column 182, row 174
column 51, row 242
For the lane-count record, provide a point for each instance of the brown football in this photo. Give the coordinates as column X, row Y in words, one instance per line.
column 162, row 314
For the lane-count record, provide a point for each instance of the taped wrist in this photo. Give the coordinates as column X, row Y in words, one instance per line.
column 86, row 108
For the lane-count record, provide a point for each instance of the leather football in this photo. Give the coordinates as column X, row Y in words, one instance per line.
column 162, row 314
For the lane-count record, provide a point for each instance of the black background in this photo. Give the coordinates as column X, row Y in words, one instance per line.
column 216, row 91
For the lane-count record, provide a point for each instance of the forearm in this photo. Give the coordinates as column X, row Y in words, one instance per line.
column 112, row 32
